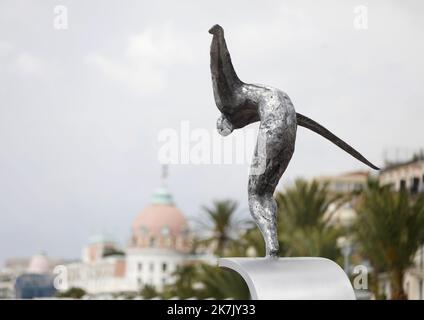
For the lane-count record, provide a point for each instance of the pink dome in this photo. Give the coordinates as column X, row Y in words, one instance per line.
column 39, row 263
column 157, row 220
column 161, row 225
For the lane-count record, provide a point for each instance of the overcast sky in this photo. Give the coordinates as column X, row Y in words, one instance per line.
column 81, row 108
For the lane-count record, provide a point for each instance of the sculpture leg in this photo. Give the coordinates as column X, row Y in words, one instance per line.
column 274, row 149
column 263, row 209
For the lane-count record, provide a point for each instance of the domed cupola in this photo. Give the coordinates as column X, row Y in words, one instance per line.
column 162, row 197
column 161, row 224
column 39, row 264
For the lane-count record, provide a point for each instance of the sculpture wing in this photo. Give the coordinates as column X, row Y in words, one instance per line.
column 317, row 128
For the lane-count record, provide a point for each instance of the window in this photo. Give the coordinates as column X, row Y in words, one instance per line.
column 415, row 185
column 140, row 266
column 144, row 230
column 402, row 184
column 152, row 242
column 185, row 232
column 165, row 231
column 152, row 266
column 358, row 187
column 164, row 266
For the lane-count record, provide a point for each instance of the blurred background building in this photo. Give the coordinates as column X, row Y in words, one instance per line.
column 409, row 176
column 344, row 184
column 160, row 242
column 405, row 175
column 26, row 278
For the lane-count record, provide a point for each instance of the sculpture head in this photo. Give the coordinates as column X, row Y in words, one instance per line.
column 216, row 30
column 224, row 126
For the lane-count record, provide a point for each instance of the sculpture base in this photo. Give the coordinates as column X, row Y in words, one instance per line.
column 292, row 278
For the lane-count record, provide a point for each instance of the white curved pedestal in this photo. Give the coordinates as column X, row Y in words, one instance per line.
column 292, row 278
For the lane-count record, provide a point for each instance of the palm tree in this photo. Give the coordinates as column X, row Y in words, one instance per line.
column 221, row 224
column 390, row 228
column 250, row 243
column 148, row 292
column 304, row 220
column 206, row 281
column 367, row 247
column 183, row 287
column 75, row 293
column 222, row 284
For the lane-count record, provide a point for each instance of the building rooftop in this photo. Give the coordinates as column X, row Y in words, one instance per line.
column 394, row 166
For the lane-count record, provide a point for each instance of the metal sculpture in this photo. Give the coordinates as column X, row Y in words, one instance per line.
column 241, row 104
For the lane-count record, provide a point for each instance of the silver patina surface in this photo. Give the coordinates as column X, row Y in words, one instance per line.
column 241, row 104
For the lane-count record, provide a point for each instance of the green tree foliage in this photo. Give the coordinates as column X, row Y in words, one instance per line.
column 250, row 243
column 390, row 229
column 74, row 293
column 205, row 281
column 149, row 292
column 304, row 220
column 186, row 276
column 221, row 225
column 222, row 284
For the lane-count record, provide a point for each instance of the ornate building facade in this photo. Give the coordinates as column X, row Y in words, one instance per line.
column 160, row 242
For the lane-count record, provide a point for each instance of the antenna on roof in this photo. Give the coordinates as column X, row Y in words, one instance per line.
column 164, row 175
